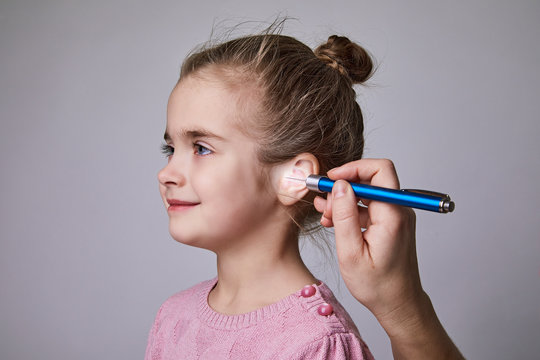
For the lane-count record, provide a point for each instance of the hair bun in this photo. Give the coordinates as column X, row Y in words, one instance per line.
column 348, row 58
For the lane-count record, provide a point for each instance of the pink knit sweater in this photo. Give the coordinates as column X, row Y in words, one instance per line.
column 293, row 328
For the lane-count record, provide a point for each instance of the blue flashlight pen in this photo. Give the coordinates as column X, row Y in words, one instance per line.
column 419, row 199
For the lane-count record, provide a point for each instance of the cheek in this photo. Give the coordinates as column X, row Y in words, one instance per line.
column 224, row 178
column 205, row 181
column 231, row 190
column 233, row 214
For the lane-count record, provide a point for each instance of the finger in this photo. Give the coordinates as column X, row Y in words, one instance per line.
column 363, row 219
column 320, row 206
column 377, row 172
column 347, row 228
column 319, row 203
column 326, row 222
column 328, row 210
column 365, row 202
column 363, row 213
column 326, row 219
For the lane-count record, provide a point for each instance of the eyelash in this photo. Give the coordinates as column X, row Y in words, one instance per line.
column 168, row 150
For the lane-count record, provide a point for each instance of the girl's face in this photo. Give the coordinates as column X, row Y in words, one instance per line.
column 213, row 185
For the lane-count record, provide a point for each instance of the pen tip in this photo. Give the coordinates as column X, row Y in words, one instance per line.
column 292, row 178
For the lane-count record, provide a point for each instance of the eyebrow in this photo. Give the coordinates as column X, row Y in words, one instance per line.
column 193, row 134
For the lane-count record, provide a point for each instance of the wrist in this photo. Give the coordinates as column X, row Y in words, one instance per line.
column 415, row 331
column 411, row 315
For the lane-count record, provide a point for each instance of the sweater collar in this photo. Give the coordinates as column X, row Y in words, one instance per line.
column 234, row 322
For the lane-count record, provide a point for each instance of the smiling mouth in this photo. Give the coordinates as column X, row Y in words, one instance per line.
column 179, row 205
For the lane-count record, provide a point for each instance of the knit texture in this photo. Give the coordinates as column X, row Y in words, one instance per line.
column 187, row 328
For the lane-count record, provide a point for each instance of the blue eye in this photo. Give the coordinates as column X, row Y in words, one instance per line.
column 201, row 150
column 166, row 149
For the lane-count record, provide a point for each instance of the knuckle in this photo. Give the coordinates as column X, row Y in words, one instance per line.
column 411, row 219
column 406, row 219
column 412, row 215
column 388, row 164
column 390, row 172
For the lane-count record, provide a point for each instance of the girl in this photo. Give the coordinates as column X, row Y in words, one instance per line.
column 245, row 116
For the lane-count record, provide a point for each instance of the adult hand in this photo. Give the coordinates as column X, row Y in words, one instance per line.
column 376, row 253
column 379, row 264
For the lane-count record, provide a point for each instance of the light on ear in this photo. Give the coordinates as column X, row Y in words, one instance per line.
column 291, row 191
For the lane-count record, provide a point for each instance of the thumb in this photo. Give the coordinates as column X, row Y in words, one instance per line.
column 347, row 229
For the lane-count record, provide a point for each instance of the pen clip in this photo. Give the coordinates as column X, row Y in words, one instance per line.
column 429, row 192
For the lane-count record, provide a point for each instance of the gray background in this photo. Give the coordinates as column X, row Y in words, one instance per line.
column 86, row 258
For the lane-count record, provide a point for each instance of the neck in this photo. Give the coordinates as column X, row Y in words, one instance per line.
column 260, row 271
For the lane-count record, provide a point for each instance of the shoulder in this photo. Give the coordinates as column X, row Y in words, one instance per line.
column 173, row 318
column 178, row 311
column 338, row 346
column 322, row 313
column 322, row 327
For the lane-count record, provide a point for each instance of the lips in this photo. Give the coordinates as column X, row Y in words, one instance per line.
column 180, row 205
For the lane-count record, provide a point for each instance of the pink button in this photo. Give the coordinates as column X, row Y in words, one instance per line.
column 325, row 309
column 308, row 290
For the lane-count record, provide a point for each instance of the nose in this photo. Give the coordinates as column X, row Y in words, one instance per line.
column 171, row 175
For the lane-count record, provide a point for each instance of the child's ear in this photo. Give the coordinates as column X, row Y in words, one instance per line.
column 290, row 191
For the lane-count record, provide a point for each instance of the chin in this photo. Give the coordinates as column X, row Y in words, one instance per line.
column 188, row 238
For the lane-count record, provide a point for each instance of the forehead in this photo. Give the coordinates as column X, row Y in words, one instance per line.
column 207, row 102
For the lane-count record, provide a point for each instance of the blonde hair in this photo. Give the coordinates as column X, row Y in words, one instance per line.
column 307, row 102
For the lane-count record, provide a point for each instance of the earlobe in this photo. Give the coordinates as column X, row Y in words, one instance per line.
column 291, row 191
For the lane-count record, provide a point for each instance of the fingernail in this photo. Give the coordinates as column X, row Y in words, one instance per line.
column 332, row 170
column 339, row 189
